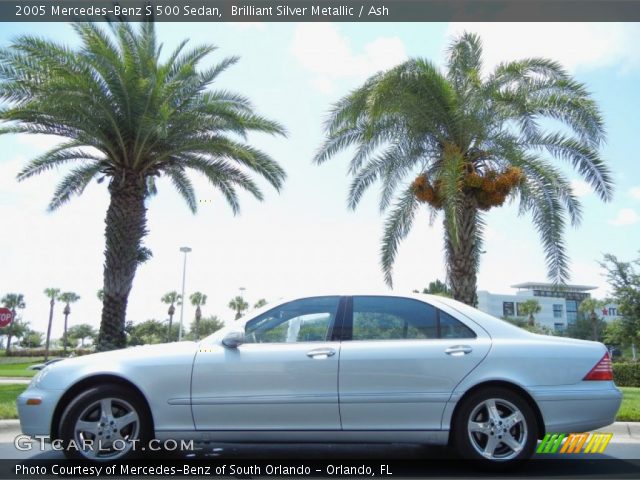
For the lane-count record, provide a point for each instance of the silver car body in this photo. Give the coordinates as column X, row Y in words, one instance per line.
column 370, row 391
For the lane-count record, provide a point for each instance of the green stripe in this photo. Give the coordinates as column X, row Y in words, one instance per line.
column 543, row 443
column 558, row 443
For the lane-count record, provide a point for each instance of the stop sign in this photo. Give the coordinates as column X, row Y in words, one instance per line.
column 5, row 317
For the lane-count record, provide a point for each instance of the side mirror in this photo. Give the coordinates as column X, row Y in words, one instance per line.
column 233, row 339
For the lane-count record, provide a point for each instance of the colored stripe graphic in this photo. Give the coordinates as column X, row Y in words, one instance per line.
column 550, row 443
column 598, row 442
column 574, row 442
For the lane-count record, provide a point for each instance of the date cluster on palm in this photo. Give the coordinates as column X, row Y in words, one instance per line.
column 490, row 188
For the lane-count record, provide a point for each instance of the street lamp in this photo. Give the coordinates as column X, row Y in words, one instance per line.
column 185, row 250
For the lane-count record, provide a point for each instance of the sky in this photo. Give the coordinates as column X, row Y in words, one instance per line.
column 305, row 238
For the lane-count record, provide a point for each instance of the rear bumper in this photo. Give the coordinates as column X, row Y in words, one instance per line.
column 580, row 410
column 36, row 419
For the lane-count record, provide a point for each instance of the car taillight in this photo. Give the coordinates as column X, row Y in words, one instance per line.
column 602, row 370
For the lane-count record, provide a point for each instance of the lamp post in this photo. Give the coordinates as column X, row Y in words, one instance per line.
column 185, row 250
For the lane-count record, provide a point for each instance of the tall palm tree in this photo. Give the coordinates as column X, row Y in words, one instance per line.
column 12, row 301
column 239, row 305
column 198, row 299
column 461, row 143
column 171, row 298
column 67, row 298
column 131, row 118
column 53, row 295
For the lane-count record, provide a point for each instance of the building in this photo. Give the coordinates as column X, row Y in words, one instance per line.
column 559, row 304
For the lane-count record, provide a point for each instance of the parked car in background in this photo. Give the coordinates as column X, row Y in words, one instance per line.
column 336, row 368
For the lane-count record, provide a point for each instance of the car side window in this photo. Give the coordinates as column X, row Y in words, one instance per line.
column 392, row 318
column 304, row 320
column 452, row 328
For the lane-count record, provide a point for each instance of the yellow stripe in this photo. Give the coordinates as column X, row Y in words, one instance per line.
column 608, row 437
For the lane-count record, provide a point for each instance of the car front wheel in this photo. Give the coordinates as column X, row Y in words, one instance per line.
column 105, row 423
column 496, row 426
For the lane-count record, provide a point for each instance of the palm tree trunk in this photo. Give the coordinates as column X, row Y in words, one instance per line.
column 46, row 347
column 169, row 332
column 64, row 337
column 10, row 331
column 462, row 257
column 125, row 228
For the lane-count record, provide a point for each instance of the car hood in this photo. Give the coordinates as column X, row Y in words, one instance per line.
column 120, row 362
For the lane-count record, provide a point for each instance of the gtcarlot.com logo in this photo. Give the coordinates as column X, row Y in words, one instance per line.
column 39, row 442
column 574, row 443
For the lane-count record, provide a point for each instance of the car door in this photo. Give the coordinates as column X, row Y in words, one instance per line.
column 400, row 360
column 284, row 377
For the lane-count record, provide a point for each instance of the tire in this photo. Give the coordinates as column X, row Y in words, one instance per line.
column 105, row 423
column 505, row 437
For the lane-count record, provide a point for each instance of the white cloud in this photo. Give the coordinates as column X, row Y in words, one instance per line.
column 575, row 45
column 580, row 188
column 626, row 216
column 324, row 51
column 635, row 193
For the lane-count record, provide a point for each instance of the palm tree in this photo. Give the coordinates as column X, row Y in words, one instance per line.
column 52, row 294
column 239, row 305
column 12, row 301
column 171, row 298
column 198, row 299
column 528, row 308
column 130, row 118
column 67, row 298
column 588, row 306
column 461, row 143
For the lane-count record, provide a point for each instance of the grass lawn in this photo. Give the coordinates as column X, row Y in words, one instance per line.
column 8, row 395
column 17, row 369
column 630, row 409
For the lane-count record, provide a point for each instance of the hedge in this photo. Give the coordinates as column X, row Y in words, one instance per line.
column 627, row 374
column 39, row 352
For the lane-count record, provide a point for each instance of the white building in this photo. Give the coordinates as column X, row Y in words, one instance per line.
column 559, row 305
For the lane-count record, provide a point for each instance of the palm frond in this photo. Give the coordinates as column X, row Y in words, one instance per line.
column 397, row 227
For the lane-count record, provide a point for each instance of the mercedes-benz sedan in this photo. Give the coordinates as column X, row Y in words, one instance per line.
column 361, row 368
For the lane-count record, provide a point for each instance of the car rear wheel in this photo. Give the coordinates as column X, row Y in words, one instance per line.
column 496, row 426
column 105, row 423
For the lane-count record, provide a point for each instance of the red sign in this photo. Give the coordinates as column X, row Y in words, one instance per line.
column 5, row 317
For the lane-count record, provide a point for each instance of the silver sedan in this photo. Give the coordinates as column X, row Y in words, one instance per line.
column 337, row 368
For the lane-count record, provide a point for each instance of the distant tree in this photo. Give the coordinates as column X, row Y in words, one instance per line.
column 624, row 279
column 148, row 332
column 525, row 325
column 588, row 308
column 12, row 301
column 67, row 298
column 437, row 288
column 31, row 339
column 82, row 332
column 260, row 303
column 171, row 298
column 586, row 328
column 197, row 299
column 207, row 326
column 528, row 309
column 239, row 305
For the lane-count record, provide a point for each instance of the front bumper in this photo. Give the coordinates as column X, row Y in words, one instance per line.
column 580, row 410
column 37, row 419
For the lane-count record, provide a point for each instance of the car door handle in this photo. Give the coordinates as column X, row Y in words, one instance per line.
column 458, row 350
column 321, row 353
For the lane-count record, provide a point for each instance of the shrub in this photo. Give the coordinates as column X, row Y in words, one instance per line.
column 626, row 374
column 39, row 352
